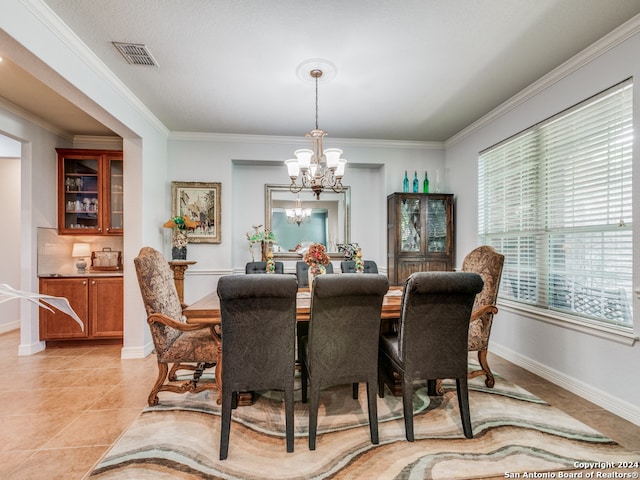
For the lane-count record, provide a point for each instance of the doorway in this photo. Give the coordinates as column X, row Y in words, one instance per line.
column 10, row 153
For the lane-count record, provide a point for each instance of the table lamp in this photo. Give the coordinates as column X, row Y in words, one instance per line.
column 81, row 251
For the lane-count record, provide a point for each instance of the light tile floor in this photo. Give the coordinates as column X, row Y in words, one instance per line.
column 62, row 409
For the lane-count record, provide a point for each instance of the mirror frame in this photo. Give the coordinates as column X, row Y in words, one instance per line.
column 270, row 189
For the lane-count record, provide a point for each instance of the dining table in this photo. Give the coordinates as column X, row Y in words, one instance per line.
column 207, row 310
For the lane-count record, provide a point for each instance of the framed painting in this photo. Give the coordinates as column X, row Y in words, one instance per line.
column 199, row 201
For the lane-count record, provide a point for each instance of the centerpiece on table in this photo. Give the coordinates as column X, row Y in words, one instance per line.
column 352, row 252
column 317, row 259
column 180, row 226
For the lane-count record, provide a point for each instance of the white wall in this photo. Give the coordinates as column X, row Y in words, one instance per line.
column 375, row 169
column 10, row 239
column 601, row 370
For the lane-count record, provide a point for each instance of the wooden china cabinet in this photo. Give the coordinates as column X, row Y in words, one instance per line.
column 90, row 192
column 90, row 202
column 98, row 301
column 420, row 234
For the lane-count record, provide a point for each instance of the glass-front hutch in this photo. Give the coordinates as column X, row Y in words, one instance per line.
column 420, row 234
column 90, row 192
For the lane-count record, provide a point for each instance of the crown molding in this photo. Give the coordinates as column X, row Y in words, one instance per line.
column 600, row 47
column 284, row 140
column 82, row 52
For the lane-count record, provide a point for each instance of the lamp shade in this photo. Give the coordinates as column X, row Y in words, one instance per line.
column 81, row 250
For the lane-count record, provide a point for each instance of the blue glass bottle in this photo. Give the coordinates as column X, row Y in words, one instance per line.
column 405, row 183
column 416, row 183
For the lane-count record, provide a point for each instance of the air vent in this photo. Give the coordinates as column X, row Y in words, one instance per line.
column 136, row 54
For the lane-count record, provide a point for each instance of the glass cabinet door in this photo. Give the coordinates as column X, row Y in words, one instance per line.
column 116, row 196
column 81, row 194
column 436, row 225
column 410, row 232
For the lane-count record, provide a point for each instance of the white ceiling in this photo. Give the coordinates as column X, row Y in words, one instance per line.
column 406, row 70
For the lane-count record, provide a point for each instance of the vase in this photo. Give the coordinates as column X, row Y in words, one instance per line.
column 313, row 272
column 179, row 242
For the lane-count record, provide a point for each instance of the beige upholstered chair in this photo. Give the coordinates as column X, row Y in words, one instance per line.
column 488, row 263
column 193, row 347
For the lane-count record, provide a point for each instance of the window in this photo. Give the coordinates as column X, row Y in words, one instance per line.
column 556, row 201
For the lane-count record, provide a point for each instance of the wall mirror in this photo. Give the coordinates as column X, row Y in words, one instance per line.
column 329, row 222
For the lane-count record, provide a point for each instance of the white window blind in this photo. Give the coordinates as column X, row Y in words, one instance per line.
column 556, row 201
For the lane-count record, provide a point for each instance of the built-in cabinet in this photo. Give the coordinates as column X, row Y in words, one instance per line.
column 98, row 301
column 420, row 234
column 90, row 192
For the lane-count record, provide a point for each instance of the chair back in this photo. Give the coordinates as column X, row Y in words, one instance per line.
column 258, row 323
column 349, row 266
column 302, row 273
column 261, row 267
column 487, row 263
column 157, row 287
column 434, row 323
column 344, row 327
column 159, row 295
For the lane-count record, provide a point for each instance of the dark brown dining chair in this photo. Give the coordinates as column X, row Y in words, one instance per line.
column 349, row 266
column 193, row 347
column 342, row 343
column 261, row 267
column 431, row 340
column 258, row 315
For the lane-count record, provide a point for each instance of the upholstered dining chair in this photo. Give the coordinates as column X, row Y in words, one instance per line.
column 193, row 347
column 488, row 263
column 431, row 340
column 342, row 344
column 302, row 273
column 258, row 315
column 261, row 267
column 349, row 266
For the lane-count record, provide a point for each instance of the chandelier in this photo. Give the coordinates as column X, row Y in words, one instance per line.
column 316, row 167
column 298, row 215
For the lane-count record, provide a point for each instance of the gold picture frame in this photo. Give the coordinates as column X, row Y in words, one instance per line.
column 199, row 201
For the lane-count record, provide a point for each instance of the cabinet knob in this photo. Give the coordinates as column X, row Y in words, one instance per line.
column 93, row 282
column 84, row 282
column 108, row 229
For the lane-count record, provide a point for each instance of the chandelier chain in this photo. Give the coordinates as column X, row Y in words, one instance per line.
column 316, row 103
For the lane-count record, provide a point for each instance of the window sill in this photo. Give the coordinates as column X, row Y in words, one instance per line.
column 625, row 336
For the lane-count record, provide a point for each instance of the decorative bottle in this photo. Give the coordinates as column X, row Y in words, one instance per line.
column 405, row 183
column 416, row 184
column 425, row 183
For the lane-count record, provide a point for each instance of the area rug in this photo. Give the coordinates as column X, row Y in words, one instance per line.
column 516, row 435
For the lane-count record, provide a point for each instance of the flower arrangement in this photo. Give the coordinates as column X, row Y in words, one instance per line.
column 179, row 225
column 181, row 222
column 264, row 237
column 349, row 249
column 359, row 262
column 316, row 255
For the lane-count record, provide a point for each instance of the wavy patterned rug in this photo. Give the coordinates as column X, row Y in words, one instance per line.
column 514, row 432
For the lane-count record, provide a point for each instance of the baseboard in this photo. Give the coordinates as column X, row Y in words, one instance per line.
column 31, row 349
column 9, row 326
column 128, row 353
column 599, row 397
